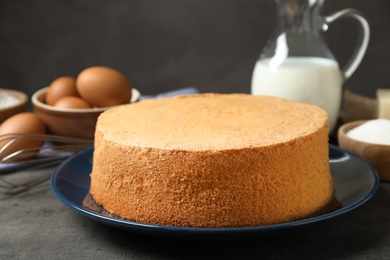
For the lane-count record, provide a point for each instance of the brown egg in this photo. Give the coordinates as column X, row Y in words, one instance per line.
column 103, row 87
column 61, row 87
column 22, row 123
column 72, row 102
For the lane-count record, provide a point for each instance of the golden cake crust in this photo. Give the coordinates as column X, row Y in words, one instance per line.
column 212, row 160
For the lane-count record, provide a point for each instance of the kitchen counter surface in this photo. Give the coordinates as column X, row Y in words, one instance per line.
column 36, row 225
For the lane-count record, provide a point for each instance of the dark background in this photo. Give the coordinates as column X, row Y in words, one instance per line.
column 170, row 44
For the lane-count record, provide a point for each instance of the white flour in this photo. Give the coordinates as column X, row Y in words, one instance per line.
column 7, row 100
column 374, row 131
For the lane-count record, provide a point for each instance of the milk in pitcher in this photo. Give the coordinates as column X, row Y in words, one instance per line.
column 304, row 79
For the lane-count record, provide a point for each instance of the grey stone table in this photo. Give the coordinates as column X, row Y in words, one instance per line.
column 36, row 225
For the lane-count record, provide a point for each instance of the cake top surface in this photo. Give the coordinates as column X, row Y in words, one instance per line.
column 210, row 122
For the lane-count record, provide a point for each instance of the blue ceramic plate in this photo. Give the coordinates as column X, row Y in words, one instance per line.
column 355, row 182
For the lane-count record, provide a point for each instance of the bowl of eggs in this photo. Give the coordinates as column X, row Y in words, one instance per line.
column 369, row 139
column 70, row 106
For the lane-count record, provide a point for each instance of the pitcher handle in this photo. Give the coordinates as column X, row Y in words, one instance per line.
column 361, row 48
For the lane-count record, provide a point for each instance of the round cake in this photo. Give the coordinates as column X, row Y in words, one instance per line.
column 212, row 160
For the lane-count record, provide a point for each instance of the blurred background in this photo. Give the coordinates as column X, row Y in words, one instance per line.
column 170, row 44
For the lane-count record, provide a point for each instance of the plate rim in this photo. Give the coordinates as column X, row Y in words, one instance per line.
column 158, row 229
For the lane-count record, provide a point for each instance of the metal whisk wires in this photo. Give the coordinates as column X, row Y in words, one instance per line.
column 16, row 158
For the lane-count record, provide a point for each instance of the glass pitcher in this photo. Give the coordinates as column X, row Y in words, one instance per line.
column 296, row 62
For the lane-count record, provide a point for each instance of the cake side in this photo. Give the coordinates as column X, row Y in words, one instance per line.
column 231, row 188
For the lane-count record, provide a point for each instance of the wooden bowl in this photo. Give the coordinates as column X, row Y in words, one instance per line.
column 77, row 123
column 18, row 107
column 376, row 154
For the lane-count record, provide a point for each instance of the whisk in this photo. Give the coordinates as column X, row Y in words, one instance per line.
column 33, row 159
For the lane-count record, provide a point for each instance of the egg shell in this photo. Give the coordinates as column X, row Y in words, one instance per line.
column 22, row 123
column 72, row 102
column 103, row 87
column 61, row 87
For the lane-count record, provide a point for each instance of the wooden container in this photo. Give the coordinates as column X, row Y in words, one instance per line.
column 376, row 154
column 19, row 106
